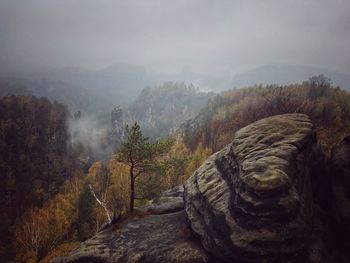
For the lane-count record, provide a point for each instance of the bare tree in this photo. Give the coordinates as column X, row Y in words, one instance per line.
column 103, row 203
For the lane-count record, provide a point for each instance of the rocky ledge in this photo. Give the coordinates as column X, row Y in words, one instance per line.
column 163, row 236
column 271, row 195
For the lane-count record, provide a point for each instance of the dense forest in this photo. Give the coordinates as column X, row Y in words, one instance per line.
column 51, row 195
column 51, row 199
column 35, row 157
column 327, row 106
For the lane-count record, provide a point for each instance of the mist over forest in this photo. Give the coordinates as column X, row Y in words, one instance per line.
column 226, row 121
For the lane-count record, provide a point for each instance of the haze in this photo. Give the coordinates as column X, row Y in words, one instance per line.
column 215, row 37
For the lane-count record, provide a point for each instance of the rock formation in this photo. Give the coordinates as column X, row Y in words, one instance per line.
column 271, row 195
column 117, row 122
column 160, row 110
column 170, row 201
column 147, row 238
column 252, row 201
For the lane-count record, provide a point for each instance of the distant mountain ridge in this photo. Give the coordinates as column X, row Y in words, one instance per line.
column 97, row 92
column 284, row 74
column 124, row 79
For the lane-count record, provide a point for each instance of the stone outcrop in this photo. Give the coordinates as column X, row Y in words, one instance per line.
column 169, row 202
column 271, row 195
column 117, row 125
column 146, row 238
column 252, row 201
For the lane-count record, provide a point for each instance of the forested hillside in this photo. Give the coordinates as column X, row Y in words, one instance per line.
column 275, row 166
column 327, row 106
column 161, row 109
column 35, row 158
column 53, row 199
column 96, row 92
column 95, row 102
column 174, row 131
column 49, row 194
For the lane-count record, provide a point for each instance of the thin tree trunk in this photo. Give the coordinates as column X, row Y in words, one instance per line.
column 103, row 204
column 132, row 188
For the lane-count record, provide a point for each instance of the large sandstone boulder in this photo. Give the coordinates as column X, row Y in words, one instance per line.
column 252, row 201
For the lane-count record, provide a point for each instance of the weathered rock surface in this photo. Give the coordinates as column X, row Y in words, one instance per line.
column 164, row 237
column 271, row 195
column 170, row 201
column 252, row 201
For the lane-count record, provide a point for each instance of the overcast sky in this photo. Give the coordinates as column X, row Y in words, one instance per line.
column 167, row 35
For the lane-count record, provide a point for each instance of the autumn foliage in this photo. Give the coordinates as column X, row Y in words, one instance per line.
column 327, row 106
column 51, row 205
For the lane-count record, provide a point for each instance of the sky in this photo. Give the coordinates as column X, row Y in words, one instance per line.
column 167, row 35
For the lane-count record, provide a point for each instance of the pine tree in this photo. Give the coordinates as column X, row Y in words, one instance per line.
column 140, row 155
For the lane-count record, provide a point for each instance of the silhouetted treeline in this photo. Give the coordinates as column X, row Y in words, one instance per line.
column 34, row 157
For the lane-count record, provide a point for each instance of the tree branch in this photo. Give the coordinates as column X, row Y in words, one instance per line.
column 138, row 173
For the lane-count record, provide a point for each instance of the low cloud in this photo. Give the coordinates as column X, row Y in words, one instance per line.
column 208, row 36
column 87, row 134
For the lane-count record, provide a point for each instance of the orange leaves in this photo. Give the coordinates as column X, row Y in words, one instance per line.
column 32, row 233
column 42, row 229
column 328, row 108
